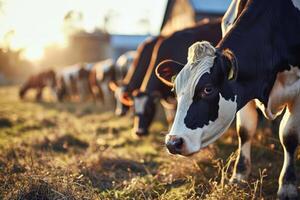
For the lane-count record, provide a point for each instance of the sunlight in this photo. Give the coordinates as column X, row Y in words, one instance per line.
column 37, row 24
column 33, row 52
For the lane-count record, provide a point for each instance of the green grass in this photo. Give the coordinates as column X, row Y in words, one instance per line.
column 52, row 150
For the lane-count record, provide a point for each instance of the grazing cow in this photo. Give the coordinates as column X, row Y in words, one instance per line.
column 73, row 82
column 123, row 64
column 258, row 58
column 39, row 82
column 134, row 77
column 152, row 89
column 101, row 74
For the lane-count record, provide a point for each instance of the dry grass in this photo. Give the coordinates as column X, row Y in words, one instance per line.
column 81, row 151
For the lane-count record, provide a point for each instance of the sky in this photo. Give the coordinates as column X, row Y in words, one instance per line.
column 34, row 24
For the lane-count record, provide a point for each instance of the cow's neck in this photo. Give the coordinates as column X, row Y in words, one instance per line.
column 142, row 65
column 136, row 73
column 262, row 41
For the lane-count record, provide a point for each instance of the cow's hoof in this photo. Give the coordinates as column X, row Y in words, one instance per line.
column 238, row 178
column 141, row 134
column 287, row 191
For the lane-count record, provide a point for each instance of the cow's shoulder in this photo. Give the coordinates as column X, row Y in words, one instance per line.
column 284, row 91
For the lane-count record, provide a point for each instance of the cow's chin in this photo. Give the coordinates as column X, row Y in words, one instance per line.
column 201, row 138
column 207, row 139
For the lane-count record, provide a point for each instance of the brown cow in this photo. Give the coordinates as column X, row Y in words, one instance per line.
column 39, row 82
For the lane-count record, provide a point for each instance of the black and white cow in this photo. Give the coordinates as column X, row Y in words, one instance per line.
column 152, row 89
column 134, row 77
column 101, row 74
column 73, row 82
column 256, row 59
column 123, row 64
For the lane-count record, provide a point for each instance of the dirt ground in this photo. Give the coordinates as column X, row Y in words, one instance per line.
column 51, row 150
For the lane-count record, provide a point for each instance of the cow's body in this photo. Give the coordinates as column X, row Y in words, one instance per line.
column 258, row 58
column 73, row 82
column 123, row 64
column 39, row 82
column 152, row 88
column 101, row 73
column 134, row 76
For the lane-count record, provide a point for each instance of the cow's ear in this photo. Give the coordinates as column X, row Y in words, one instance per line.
column 230, row 66
column 167, row 71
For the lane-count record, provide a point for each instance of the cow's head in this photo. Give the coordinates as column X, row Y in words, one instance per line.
column 144, row 110
column 122, row 97
column 206, row 100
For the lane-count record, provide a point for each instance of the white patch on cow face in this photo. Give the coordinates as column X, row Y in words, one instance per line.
column 185, row 84
column 140, row 104
column 198, row 138
column 296, row 3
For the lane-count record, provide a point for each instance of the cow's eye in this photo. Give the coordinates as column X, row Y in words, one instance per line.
column 207, row 90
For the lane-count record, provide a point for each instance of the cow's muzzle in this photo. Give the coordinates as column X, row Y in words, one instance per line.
column 175, row 144
column 141, row 132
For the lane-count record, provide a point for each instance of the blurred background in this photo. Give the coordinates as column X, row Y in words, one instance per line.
column 41, row 34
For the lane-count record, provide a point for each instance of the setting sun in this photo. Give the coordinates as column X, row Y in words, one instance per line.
column 36, row 24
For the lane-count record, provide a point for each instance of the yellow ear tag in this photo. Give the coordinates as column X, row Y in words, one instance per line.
column 173, row 78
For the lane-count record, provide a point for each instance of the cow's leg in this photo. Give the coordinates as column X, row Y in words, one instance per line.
column 100, row 94
column 289, row 137
column 39, row 93
column 246, row 123
column 23, row 90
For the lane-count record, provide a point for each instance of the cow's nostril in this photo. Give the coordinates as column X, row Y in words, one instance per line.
column 174, row 145
column 178, row 143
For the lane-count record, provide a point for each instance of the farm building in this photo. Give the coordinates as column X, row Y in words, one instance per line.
column 178, row 15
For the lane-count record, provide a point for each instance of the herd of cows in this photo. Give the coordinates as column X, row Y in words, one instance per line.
column 252, row 60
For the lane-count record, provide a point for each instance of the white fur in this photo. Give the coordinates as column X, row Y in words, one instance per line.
column 296, row 3
column 66, row 74
column 200, row 61
column 119, row 105
column 139, row 104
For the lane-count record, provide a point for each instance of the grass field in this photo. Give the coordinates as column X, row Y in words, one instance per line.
column 52, row 150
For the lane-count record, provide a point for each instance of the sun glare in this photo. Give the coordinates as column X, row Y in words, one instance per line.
column 33, row 53
column 36, row 24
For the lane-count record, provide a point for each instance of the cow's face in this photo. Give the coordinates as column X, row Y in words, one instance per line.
column 144, row 110
column 206, row 102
